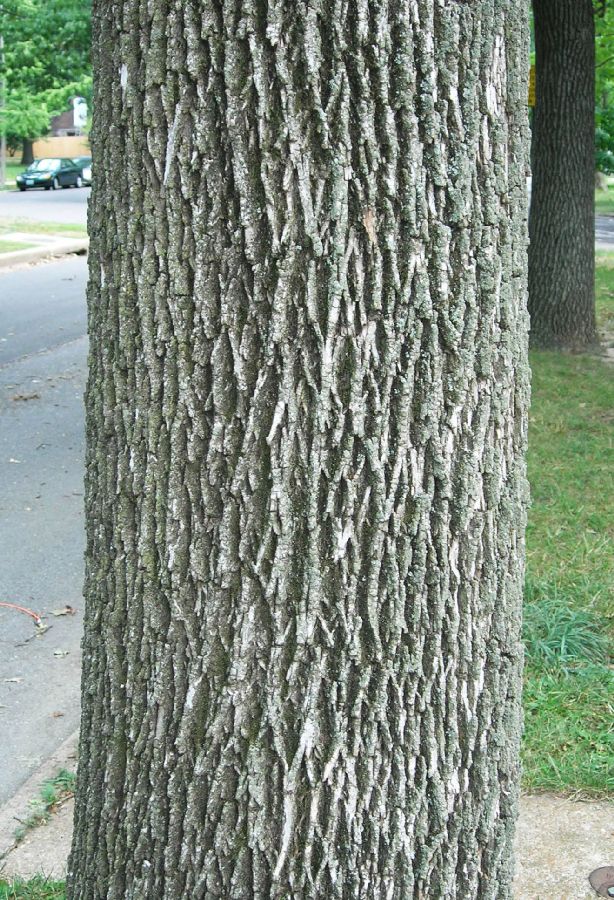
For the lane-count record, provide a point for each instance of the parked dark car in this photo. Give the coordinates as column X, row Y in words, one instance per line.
column 85, row 164
column 50, row 174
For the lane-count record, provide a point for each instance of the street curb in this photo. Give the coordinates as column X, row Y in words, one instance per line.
column 32, row 254
column 18, row 806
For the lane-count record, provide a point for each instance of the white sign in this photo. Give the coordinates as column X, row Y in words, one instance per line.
column 79, row 106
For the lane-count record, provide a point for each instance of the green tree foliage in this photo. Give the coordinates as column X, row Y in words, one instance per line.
column 604, row 87
column 604, row 139
column 46, row 61
column 604, row 53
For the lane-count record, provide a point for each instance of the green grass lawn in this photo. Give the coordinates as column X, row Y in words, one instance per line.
column 12, row 169
column 38, row 888
column 569, row 619
column 8, row 246
column 27, row 225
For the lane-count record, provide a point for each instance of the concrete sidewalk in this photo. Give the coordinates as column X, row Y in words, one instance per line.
column 42, row 246
column 43, row 850
column 559, row 841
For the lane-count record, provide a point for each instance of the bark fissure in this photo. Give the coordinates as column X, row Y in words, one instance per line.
column 306, row 420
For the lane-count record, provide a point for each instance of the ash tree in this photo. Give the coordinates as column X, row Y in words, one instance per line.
column 306, row 424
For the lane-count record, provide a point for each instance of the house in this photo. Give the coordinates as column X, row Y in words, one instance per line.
column 72, row 121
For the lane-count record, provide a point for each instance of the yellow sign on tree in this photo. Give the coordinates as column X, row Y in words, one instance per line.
column 532, row 86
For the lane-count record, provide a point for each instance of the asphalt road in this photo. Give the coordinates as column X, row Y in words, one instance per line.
column 66, row 206
column 43, row 351
column 604, row 232
column 70, row 207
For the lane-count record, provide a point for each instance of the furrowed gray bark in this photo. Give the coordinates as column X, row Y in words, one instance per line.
column 562, row 217
column 306, row 420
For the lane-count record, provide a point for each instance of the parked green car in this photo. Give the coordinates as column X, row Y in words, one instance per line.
column 50, row 174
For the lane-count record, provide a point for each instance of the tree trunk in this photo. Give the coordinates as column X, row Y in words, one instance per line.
column 562, row 218
column 306, row 421
column 27, row 152
column 601, row 181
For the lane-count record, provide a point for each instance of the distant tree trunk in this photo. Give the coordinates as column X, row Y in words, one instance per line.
column 27, row 152
column 306, row 420
column 562, row 217
column 601, row 181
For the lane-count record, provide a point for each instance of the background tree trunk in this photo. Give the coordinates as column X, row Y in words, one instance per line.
column 601, row 181
column 27, row 152
column 306, row 420
column 562, row 217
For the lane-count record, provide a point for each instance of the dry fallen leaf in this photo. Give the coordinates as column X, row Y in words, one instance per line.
column 64, row 611
column 57, row 715
column 23, row 398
